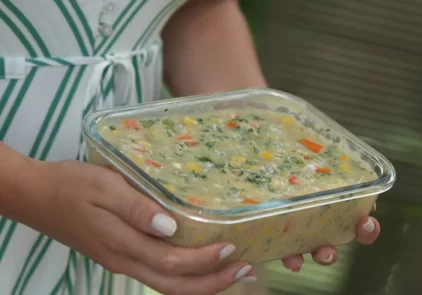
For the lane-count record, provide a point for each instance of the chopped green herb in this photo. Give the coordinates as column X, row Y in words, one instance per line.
column 148, row 123
column 200, row 120
column 210, row 144
column 169, row 133
column 258, row 178
column 205, row 159
column 198, row 175
column 324, row 209
column 256, row 117
column 251, row 162
column 256, row 149
column 112, row 127
column 166, row 110
column 285, row 166
column 168, row 122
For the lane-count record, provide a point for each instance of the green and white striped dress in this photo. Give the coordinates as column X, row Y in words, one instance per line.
column 59, row 61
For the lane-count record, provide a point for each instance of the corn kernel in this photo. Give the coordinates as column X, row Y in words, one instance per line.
column 347, row 169
column 242, row 194
column 344, row 158
column 323, row 219
column 252, row 242
column 238, row 159
column 193, row 167
column 236, row 229
column 198, row 239
column 170, row 188
column 218, row 121
column 189, row 121
column 288, row 120
column 137, row 160
column 267, row 155
column 269, row 230
column 114, row 131
column 143, row 143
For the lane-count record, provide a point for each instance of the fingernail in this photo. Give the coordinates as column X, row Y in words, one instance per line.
column 247, row 280
column 227, row 251
column 374, row 207
column 242, row 272
column 369, row 225
column 164, row 224
column 329, row 259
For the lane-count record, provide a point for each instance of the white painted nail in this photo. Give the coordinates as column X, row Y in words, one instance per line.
column 227, row 251
column 369, row 226
column 164, row 224
column 329, row 259
column 247, row 280
column 242, row 272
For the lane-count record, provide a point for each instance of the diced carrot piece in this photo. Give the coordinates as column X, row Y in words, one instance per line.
column 196, row 201
column 138, row 149
column 153, row 163
column 191, row 143
column 250, row 201
column 132, row 124
column 236, row 117
column 183, row 137
column 294, row 180
column 286, row 228
column 323, row 170
column 232, row 124
column 310, row 145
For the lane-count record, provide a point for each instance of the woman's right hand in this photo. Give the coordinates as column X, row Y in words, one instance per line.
column 96, row 212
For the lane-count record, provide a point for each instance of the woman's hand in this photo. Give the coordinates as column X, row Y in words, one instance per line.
column 94, row 211
column 367, row 232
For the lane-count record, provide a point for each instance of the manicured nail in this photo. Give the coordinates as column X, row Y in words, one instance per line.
column 374, row 207
column 329, row 259
column 247, row 280
column 227, row 251
column 242, row 272
column 164, row 224
column 369, row 225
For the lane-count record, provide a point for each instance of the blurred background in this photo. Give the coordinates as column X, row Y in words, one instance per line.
column 360, row 62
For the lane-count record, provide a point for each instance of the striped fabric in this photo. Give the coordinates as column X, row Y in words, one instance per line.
column 58, row 63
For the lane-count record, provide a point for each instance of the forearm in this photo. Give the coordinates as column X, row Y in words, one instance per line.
column 14, row 169
column 208, row 48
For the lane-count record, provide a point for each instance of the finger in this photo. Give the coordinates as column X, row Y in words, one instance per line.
column 193, row 285
column 294, row 263
column 374, row 208
column 367, row 231
column 325, row 255
column 161, row 255
column 140, row 211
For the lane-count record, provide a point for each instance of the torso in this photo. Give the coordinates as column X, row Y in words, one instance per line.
column 55, row 68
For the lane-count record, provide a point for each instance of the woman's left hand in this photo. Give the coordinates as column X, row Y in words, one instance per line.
column 367, row 232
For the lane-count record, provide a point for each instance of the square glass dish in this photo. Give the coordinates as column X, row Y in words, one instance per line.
column 297, row 221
